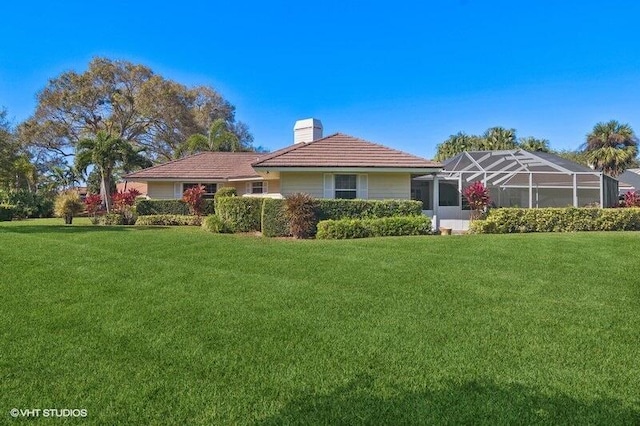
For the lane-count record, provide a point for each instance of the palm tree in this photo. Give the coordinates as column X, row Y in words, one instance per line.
column 219, row 138
column 611, row 147
column 499, row 138
column 456, row 144
column 532, row 144
column 105, row 152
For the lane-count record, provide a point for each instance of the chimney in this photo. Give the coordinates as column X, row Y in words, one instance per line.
column 307, row 130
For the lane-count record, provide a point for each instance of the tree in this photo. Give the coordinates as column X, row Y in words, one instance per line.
column 218, row 138
column 532, row 144
column 456, row 144
column 127, row 101
column 16, row 169
column 611, row 147
column 499, row 138
column 106, row 152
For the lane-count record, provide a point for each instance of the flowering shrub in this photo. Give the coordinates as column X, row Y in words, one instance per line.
column 477, row 195
column 631, row 199
column 193, row 198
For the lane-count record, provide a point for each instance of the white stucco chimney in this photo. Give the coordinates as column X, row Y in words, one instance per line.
column 307, row 130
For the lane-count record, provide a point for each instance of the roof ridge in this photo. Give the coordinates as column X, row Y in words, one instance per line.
column 164, row 164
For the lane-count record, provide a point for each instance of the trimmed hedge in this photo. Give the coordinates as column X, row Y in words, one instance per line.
column 241, row 214
column 364, row 209
column 111, row 219
column 571, row 219
column 214, row 224
column 170, row 207
column 169, row 220
column 377, row 227
column 274, row 220
column 6, row 212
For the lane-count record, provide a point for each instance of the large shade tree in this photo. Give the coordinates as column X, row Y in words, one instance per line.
column 128, row 101
column 106, row 152
column 16, row 168
column 611, row 147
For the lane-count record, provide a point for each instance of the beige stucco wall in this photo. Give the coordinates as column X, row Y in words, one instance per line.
column 309, row 183
column 389, row 186
column 381, row 186
column 160, row 190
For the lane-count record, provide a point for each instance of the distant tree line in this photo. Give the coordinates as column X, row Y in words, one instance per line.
column 610, row 147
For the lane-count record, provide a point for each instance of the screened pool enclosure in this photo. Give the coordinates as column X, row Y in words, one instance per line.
column 515, row 178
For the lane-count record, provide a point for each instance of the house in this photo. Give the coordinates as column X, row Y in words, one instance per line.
column 629, row 180
column 335, row 166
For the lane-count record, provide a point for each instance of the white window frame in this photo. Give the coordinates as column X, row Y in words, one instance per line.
column 362, row 185
column 206, row 194
column 249, row 187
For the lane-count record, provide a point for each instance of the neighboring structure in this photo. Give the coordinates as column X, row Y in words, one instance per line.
column 336, row 166
column 141, row 187
column 629, row 180
column 515, row 178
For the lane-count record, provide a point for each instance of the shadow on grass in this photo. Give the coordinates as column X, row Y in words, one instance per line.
column 475, row 402
column 73, row 229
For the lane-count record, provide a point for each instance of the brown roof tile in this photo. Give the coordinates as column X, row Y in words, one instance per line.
column 205, row 165
column 340, row 150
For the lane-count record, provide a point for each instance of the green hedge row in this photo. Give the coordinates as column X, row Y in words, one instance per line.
column 6, row 212
column 214, row 224
column 169, row 220
column 240, row 214
column 27, row 204
column 274, row 220
column 363, row 209
column 172, row 207
column 377, row 227
column 516, row 220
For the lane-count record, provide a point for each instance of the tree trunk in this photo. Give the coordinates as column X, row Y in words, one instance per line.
column 68, row 219
column 105, row 185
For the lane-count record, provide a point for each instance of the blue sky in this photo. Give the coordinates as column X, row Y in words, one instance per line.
column 405, row 74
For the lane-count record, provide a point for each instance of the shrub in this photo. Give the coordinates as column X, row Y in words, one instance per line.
column 571, row 219
column 213, row 223
column 28, row 204
column 377, row 227
column 477, row 196
column 110, row 219
column 225, row 191
column 241, row 214
column 67, row 205
column 362, row 209
column 274, row 220
column 631, row 199
column 6, row 212
column 193, row 198
column 300, row 212
column 123, row 204
column 169, row 220
column 179, row 207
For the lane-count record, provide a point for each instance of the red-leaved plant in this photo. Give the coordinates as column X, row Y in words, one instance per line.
column 631, row 199
column 300, row 211
column 93, row 205
column 123, row 204
column 193, row 198
column 477, row 195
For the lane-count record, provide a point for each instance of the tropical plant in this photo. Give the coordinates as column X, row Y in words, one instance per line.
column 477, row 195
column 123, row 203
column 631, row 199
column 532, row 144
column 92, row 204
column 218, row 138
column 611, row 147
column 193, row 198
column 300, row 211
column 499, row 138
column 67, row 205
column 106, row 152
column 456, row 144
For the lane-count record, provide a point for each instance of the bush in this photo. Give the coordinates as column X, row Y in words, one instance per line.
column 377, row 227
column 6, row 212
column 110, row 219
column 363, row 209
column 301, row 212
column 571, row 219
column 225, row 191
column 176, row 207
column 241, row 214
column 169, row 220
column 274, row 220
column 67, row 205
column 214, row 224
column 28, row 204
column 193, row 198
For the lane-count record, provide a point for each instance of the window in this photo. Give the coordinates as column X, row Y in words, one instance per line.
column 346, row 186
column 421, row 191
column 449, row 195
column 257, row 187
column 209, row 188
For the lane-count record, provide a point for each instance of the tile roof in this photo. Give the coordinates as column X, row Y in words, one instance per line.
column 340, row 150
column 205, row 165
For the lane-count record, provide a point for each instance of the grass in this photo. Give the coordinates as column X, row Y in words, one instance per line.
column 177, row 326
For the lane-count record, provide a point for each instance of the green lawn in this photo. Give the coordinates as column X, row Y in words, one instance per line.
column 177, row 326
